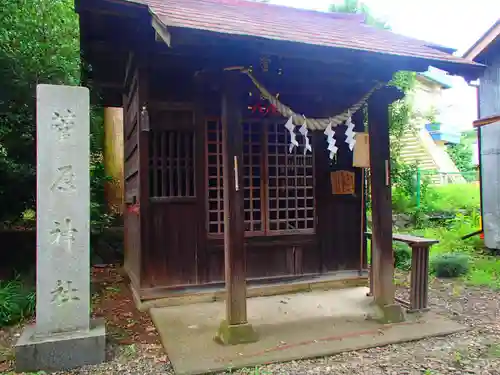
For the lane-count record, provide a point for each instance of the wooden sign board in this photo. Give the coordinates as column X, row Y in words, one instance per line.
column 343, row 183
column 361, row 154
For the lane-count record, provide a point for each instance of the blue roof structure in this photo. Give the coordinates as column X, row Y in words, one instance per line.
column 440, row 78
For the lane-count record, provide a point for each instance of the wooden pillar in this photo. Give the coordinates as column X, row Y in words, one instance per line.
column 382, row 251
column 144, row 192
column 235, row 329
column 113, row 158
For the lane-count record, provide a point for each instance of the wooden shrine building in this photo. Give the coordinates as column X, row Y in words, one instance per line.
column 212, row 190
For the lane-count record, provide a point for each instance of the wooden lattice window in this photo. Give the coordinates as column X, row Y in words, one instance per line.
column 252, row 176
column 214, row 176
column 171, row 163
column 290, row 183
column 278, row 186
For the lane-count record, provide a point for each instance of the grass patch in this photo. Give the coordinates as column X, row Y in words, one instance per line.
column 17, row 302
column 462, row 202
column 452, row 197
column 485, row 271
column 437, row 199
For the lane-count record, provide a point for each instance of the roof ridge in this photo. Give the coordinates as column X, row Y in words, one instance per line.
column 283, row 23
column 353, row 17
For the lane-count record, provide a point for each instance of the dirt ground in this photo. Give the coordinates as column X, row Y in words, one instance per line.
column 130, row 332
column 134, row 347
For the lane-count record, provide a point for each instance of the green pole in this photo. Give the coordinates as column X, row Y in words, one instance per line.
column 418, row 187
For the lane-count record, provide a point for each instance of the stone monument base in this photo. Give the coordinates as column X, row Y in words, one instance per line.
column 62, row 351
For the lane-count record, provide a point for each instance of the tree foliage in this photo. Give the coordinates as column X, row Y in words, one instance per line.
column 400, row 111
column 38, row 44
column 461, row 154
column 356, row 6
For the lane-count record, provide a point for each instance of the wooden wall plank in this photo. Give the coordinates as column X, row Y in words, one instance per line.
column 173, row 245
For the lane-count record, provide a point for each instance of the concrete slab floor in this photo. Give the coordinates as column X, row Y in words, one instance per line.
column 290, row 327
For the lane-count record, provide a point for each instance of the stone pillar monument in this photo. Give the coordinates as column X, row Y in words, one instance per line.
column 63, row 336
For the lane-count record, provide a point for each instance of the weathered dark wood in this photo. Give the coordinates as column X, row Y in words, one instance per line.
column 132, row 225
column 201, row 181
column 339, row 221
column 268, row 256
column 283, row 284
column 486, row 121
column 382, row 252
column 359, row 121
column 419, row 278
column 419, row 284
column 173, row 205
column 413, row 240
column 143, row 150
column 173, row 244
column 234, row 249
column 173, row 255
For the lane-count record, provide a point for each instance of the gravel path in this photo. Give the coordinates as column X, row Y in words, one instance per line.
column 476, row 351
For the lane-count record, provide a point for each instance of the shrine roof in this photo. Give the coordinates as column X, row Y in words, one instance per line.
column 276, row 22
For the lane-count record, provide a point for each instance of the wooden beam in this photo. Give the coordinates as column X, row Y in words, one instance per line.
column 235, row 329
column 382, row 256
column 143, row 149
column 112, row 7
column 213, row 57
column 316, row 53
column 484, row 42
column 161, row 30
column 234, row 250
column 486, row 121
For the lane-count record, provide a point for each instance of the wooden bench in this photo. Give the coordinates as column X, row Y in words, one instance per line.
column 419, row 284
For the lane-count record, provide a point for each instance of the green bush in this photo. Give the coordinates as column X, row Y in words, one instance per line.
column 16, row 302
column 434, row 199
column 452, row 198
column 450, row 235
column 402, row 257
column 450, row 265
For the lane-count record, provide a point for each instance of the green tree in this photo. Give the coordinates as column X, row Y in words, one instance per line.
column 356, row 6
column 461, row 154
column 38, row 44
column 400, row 111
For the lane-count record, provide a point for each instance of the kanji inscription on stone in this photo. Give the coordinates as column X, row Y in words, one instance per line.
column 65, row 180
column 63, row 207
column 64, row 292
column 63, row 122
column 63, row 232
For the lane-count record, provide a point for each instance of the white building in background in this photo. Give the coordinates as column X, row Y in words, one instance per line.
column 443, row 107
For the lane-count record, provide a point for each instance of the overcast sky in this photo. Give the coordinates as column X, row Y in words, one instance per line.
column 452, row 23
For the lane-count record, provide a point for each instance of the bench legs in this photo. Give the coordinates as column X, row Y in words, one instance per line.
column 419, row 284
